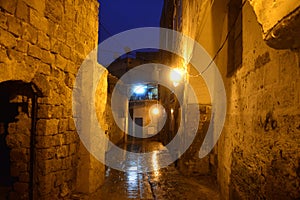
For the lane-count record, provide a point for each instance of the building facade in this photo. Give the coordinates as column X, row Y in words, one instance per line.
column 43, row 44
column 254, row 44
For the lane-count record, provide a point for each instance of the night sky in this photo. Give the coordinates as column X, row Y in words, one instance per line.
column 121, row 15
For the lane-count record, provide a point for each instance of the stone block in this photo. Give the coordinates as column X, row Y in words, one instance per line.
column 3, row 21
column 55, row 46
column 62, row 151
column 52, row 28
column 38, row 5
column 73, row 148
column 22, row 46
column 60, row 62
column 43, row 41
column 38, row 21
column 57, row 112
column 46, row 184
column 71, row 137
column 29, row 33
column 70, row 39
column 71, row 68
column 44, row 142
column 14, row 26
column 15, row 55
column 44, row 69
column 19, row 155
column 9, row 6
column 63, row 125
column 54, row 98
column 43, row 112
column 70, row 80
column 3, row 55
column 66, row 51
column 71, row 126
column 16, row 140
column 22, row 11
column 79, row 47
column 47, row 126
column 7, row 39
column 47, row 57
column 54, row 10
column 45, row 154
column 67, row 111
column 58, row 73
column 66, row 163
column 41, row 81
column 48, row 166
column 35, row 51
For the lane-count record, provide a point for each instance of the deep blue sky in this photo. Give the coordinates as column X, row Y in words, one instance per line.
column 122, row 15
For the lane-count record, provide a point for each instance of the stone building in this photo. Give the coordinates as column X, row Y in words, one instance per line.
column 43, row 43
column 255, row 46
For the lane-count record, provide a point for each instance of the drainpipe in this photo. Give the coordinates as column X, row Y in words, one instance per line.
column 32, row 145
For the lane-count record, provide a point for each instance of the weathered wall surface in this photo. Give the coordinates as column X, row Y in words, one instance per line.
column 90, row 171
column 114, row 133
column 43, row 43
column 189, row 163
column 258, row 150
column 270, row 12
column 263, row 119
column 280, row 22
column 189, row 24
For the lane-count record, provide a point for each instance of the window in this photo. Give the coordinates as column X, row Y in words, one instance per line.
column 235, row 40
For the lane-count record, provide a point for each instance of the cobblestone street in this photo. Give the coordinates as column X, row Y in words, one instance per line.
column 166, row 183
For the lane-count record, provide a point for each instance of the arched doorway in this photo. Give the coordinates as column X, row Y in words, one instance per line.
column 18, row 108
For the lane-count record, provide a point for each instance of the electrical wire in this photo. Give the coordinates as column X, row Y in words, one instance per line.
column 223, row 44
column 206, row 68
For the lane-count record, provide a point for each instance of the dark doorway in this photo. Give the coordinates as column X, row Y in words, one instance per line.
column 17, row 124
column 138, row 129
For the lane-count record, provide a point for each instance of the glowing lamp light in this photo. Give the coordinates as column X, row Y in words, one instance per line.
column 140, row 89
column 155, row 111
column 172, row 110
column 176, row 76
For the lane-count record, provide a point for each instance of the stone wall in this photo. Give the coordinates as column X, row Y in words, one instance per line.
column 114, row 133
column 263, row 120
column 258, row 150
column 189, row 163
column 280, row 22
column 44, row 43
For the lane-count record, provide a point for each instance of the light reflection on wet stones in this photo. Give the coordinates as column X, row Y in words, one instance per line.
column 166, row 183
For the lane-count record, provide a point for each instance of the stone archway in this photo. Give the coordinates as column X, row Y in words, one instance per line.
column 18, row 112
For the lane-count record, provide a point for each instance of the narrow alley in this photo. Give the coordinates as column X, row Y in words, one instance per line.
column 149, row 100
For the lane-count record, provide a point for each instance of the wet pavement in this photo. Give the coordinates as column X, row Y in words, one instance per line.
column 166, row 183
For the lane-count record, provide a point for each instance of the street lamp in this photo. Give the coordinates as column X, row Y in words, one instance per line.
column 155, row 111
column 176, row 76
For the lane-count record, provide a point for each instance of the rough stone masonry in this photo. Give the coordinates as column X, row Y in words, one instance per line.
column 43, row 43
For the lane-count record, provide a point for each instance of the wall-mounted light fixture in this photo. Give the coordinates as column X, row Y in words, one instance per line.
column 155, row 111
column 176, row 76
